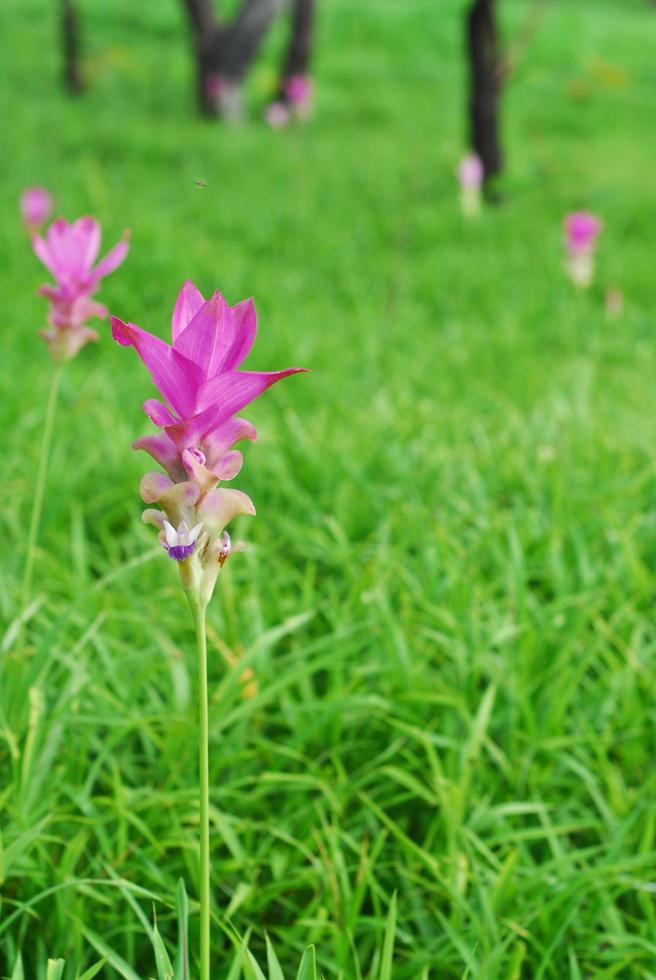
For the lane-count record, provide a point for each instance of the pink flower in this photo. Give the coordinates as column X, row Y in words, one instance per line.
column 470, row 171
column 581, row 230
column 69, row 252
column 277, row 115
column 35, row 207
column 298, row 89
column 198, row 377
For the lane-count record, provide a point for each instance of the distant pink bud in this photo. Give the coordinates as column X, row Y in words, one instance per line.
column 471, row 171
column 278, row 115
column 581, row 231
column 298, row 89
column 35, row 207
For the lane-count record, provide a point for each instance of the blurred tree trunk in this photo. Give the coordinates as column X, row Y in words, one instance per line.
column 70, row 34
column 297, row 60
column 485, row 85
column 224, row 52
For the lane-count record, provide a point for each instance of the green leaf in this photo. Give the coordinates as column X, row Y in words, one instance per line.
column 164, row 968
column 18, row 969
column 112, row 957
column 388, row 942
column 275, row 970
column 308, row 968
column 55, row 969
column 182, row 955
column 251, row 969
column 92, row 971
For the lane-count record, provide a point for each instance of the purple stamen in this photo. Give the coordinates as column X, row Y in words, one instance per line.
column 180, row 552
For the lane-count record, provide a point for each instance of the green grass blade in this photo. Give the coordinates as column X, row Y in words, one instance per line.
column 17, row 973
column 164, row 968
column 388, row 942
column 55, row 969
column 182, row 955
column 308, row 968
column 275, row 970
column 122, row 968
column 93, row 971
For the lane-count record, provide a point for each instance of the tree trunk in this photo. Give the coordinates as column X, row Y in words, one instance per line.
column 485, row 86
column 224, row 53
column 70, row 35
column 299, row 52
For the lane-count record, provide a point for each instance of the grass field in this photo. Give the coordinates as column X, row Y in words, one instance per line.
column 448, row 601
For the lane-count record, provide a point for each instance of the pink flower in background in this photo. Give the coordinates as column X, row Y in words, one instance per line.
column 198, row 377
column 470, row 175
column 35, row 207
column 278, row 115
column 470, row 171
column 294, row 101
column 298, row 89
column 581, row 231
column 69, row 252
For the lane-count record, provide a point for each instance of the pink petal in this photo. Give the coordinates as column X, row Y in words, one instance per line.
column 189, row 301
column 158, row 413
column 235, row 389
column 153, row 485
column 218, row 441
column 87, row 233
column 42, row 252
column 65, row 249
column 164, row 450
column 229, row 465
column 177, row 378
column 219, row 507
column 242, row 324
column 112, row 260
column 204, row 340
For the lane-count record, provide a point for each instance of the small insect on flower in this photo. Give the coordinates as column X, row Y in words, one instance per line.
column 180, row 544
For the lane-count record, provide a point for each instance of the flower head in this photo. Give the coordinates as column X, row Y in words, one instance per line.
column 298, row 89
column 35, row 207
column 581, row 231
column 69, row 252
column 199, row 379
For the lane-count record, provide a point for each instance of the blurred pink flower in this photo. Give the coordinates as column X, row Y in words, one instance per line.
column 69, row 252
column 581, row 231
column 277, row 115
column 470, row 171
column 298, row 89
column 35, row 207
column 199, row 379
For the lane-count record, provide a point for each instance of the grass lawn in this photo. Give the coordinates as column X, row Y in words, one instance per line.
column 448, row 600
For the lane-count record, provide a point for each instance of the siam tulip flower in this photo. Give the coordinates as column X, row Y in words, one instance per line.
column 471, row 174
column 294, row 101
column 581, row 231
column 69, row 252
column 198, row 376
column 35, row 207
column 199, row 379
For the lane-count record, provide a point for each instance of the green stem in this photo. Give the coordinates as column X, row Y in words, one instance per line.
column 39, row 490
column 198, row 612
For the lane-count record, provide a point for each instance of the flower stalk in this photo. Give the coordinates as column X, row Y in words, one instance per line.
column 198, row 609
column 39, row 490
